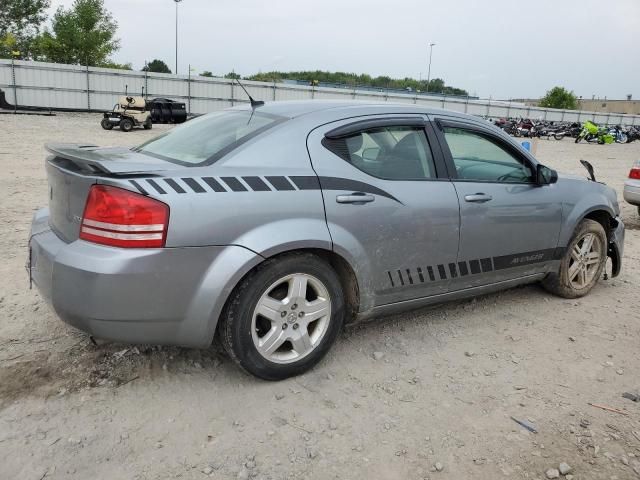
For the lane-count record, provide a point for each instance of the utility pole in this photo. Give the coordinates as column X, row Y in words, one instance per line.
column 177, row 2
column 431, row 45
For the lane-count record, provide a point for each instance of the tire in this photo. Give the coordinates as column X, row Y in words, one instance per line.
column 147, row 125
column 578, row 138
column 106, row 124
column 558, row 136
column 560, row 283
column 126, row 125
column 242, row 328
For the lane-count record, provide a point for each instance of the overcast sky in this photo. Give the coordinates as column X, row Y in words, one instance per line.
column 502, row 48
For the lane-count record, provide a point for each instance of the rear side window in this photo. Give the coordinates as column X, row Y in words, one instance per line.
column 204, row 140
column 390, row 153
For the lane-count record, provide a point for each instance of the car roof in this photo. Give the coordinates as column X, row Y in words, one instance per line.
column 297, row 108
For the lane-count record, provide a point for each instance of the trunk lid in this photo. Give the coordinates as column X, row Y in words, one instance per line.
column 72, row 169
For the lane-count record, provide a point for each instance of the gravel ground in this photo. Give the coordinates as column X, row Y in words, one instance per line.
column 435, row 401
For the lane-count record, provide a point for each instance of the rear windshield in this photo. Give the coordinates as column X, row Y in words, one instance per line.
column 205, row 139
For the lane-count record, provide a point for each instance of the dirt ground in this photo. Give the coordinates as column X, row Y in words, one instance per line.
column 443, row 393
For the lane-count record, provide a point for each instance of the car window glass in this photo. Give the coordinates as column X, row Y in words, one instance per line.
column 391, row 153
column 204, row 139
column 480, row 158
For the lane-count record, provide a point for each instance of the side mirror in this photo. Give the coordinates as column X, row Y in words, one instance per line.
column 370, row 153
column 545, row 175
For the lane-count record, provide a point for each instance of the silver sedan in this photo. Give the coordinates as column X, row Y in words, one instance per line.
column 272, row 226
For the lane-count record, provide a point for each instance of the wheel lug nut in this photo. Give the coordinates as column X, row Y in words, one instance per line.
column 285, row 326
column 294, row 306
column 295, row 326
column 283, row 314
column 301, row 314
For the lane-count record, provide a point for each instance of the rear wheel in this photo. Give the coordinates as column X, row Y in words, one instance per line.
column 284, row 317
column 126, row 125
column 106, row 124
column 582, row 264
column 148, row 124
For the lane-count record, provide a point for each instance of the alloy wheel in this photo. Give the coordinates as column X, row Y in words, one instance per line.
column 586, row 256
column 291, row 318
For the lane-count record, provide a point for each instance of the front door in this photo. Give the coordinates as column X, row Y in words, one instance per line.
column 509, row 225
column 390, row 208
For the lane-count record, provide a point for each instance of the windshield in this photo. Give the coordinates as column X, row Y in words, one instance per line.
column 204, row 140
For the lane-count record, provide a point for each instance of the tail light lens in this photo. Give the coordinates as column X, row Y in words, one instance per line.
column 635, row 172
column 121, row 218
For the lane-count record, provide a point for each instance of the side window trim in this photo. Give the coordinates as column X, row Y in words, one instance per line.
column 446, row 122
column 422, row 123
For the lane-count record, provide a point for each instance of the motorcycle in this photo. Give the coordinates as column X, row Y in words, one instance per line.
column 619, row 135
column 593, row 134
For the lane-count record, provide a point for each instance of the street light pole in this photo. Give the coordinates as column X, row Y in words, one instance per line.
column 177, row 2
column 431, row 45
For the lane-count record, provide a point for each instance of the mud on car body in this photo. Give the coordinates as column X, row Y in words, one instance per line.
column 272, row 226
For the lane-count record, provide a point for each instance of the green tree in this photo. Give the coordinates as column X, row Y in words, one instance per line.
column 157, row 66
column 206, row 73
column 20, row 22
column 84, row 34
column 116, row 65
column 559, row 97
column 232, row 75
column 436, row 85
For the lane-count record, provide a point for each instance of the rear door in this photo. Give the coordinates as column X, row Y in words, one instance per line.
column 509, row 226
column 389, row 206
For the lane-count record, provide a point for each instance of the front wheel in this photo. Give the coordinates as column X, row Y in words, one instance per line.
column 126, row 125
column 582, row 263
column 106, row 124
column 284, row 317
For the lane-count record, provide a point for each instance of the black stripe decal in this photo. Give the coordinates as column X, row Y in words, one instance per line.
column 306, row 183
column 139, row 187
column 452, row 270
column 195, row 186
column 280, row 183
column 462, row 266
column 214, row 184
column 173, row 184
column 475, row 266
column 234, row 184
column 409, row 275
column 335, row 183
column 527, row 258
column 486, row 265
column 483, row 265
column 155, row 185
column 432, row 277
column 256, row 184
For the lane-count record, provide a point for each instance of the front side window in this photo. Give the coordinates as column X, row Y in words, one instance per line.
column 481, row 158
column 390, row 153
column 205, row 139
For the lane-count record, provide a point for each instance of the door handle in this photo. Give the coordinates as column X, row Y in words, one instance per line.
column 478, row 198
column 357, row 198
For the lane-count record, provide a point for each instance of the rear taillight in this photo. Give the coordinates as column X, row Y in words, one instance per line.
column 121, row 218
column 635, row 173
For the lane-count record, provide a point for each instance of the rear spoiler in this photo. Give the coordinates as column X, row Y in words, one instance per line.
column 117, row 161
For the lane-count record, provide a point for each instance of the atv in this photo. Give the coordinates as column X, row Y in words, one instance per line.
column 129, row 112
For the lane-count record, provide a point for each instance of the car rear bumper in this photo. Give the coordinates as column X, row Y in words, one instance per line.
column 170, row 296
column 631, row 192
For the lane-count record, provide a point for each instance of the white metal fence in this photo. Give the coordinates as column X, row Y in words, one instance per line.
column 53, row 85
